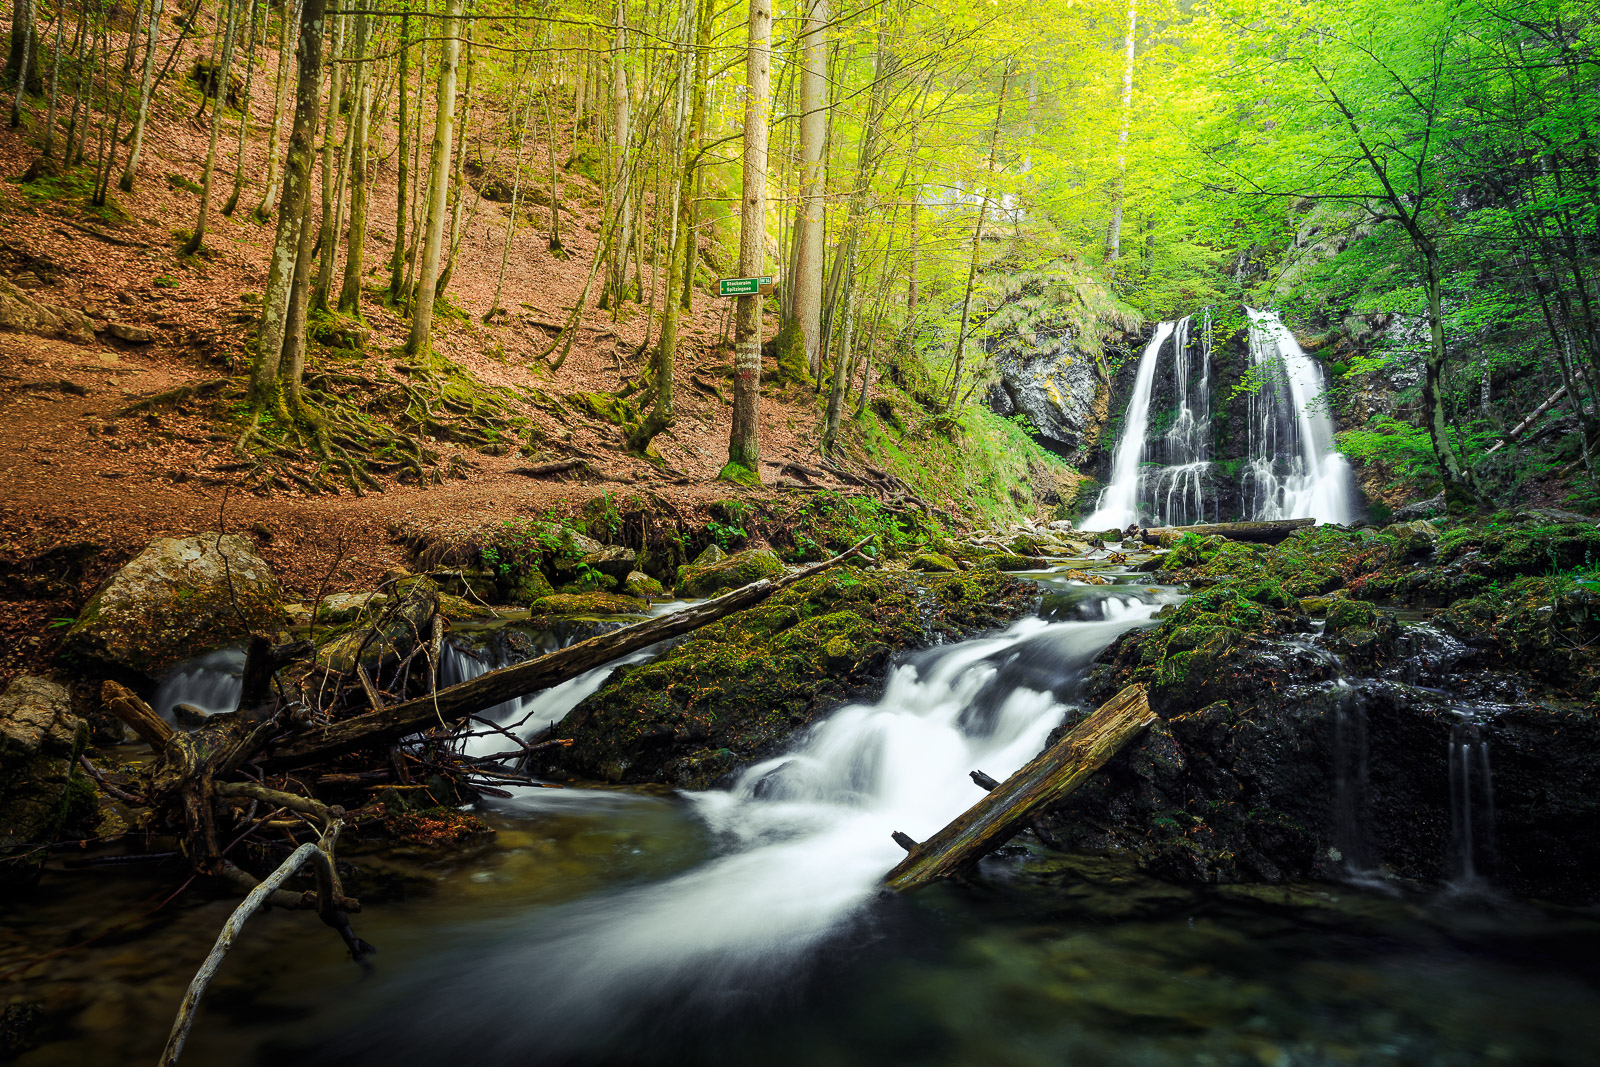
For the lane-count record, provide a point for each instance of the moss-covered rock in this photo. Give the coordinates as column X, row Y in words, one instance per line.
column 702, row 578
column 736, row 690
column 1007, row 561
column 933, row 562
column 1547, row 627
column 1350, row 615
column 640, row 584
column 176, row 599
column 386, row 636
column 527, row 587
column 41, row 786
column 588, row 604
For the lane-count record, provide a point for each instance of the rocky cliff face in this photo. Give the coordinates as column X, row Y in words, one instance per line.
column 1063, row 390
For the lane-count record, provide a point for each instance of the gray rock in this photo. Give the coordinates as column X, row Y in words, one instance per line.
column 613, row 562
column 176, row 599
column 138, row 335
column 24, row 314
column 40, row 741
column 1419, row 509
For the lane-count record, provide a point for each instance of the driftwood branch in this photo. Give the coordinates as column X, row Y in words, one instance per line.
column 387, row 725
column 1516, row 431
column 1012, row 806
column 321, row 854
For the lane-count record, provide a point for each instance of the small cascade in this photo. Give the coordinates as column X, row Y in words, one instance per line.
column 1351, row 795
column 1119, row 502
column 210, row 683
column 1294, row 471
column 1471, row 807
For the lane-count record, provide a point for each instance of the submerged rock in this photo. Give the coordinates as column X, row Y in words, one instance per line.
column 177, row 598
column 737, row 690
column 41, row 786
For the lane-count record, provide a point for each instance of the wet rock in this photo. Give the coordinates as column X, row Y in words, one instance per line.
column 339, row 609
column 1059, row 387
column 588, row 604
column 177, row 598
column 466, row 582
column 41, row 787
column 737, row 690
column 23, row 314
column 740, row 569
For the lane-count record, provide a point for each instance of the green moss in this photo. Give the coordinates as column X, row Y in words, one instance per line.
column 739, row 474
column 1351, row 615
column 731, row 572
column 793, row 366
column 933, row 561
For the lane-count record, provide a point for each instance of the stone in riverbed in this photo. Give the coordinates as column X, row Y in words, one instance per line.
column 933, row 562
column 588, row 604
column 176, row 599
column 740, row 569
column 640, row 584
column 41, row 788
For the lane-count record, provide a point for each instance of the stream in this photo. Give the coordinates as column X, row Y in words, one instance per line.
column 743, row 925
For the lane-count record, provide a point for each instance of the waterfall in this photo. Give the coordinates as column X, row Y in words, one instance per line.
column 1176, row 492
column 1471, row 806
column 1294, row 471
column 1119, row 503
column 211, row 683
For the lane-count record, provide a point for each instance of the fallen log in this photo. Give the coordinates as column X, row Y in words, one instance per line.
column 384, row 726
column 1012, row 806
column 1266, row 532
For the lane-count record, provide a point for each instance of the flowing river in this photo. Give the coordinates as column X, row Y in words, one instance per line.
column 740, row 926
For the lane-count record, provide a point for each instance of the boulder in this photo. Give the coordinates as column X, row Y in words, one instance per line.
column 640, row 584
column 24, row 314
column 41, row 786
column 389, row 634
column 588, row 604
column 612, row 561
column 707, row 579
column 136, row 335
column 179, row 597
column 933, row 562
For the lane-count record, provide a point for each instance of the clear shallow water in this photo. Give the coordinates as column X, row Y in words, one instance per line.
column 743, row 926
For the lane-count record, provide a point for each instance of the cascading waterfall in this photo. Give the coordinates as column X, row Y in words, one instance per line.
column 1294, row 471
column 1170, row 479
column 1119, row 503
column 1176, row 492
column 804, row 840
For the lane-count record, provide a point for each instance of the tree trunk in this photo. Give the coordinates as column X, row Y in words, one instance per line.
column 621, row 134
column 458, row 181
column 1114, row 228
column 244, row 112
column 419, row 342
column 397, row 261
column 744, row 448
column 809, row 255
column 332, row 173
column 697, row 127
column 49, row 146
column 355, row 242
column 977, row 240
column 224, row 70
column 280, row 96
column 1009, row 807
column 292, row 205
column 24, row 18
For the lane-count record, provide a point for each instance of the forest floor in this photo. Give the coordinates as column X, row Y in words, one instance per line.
column 84, row 482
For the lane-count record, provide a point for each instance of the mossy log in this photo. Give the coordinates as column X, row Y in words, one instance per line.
column 387, row 725
column 1011, row 806
column 1268, row 532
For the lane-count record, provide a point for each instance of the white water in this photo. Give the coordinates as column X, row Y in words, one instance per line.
column 211, row 683
column 805, row 840
column 1119, row 504
column 1294, row 472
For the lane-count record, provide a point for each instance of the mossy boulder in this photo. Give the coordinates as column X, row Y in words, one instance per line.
column 1350, row 615
column 933, row 562
column 386, row 636
column 588, row 604
column 42, row 789
column 527, row 587
column 702, row 578
column 640, row 584
column 1547, row 627
column 735, row 691
column 179, row 597
column 1007, row 561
